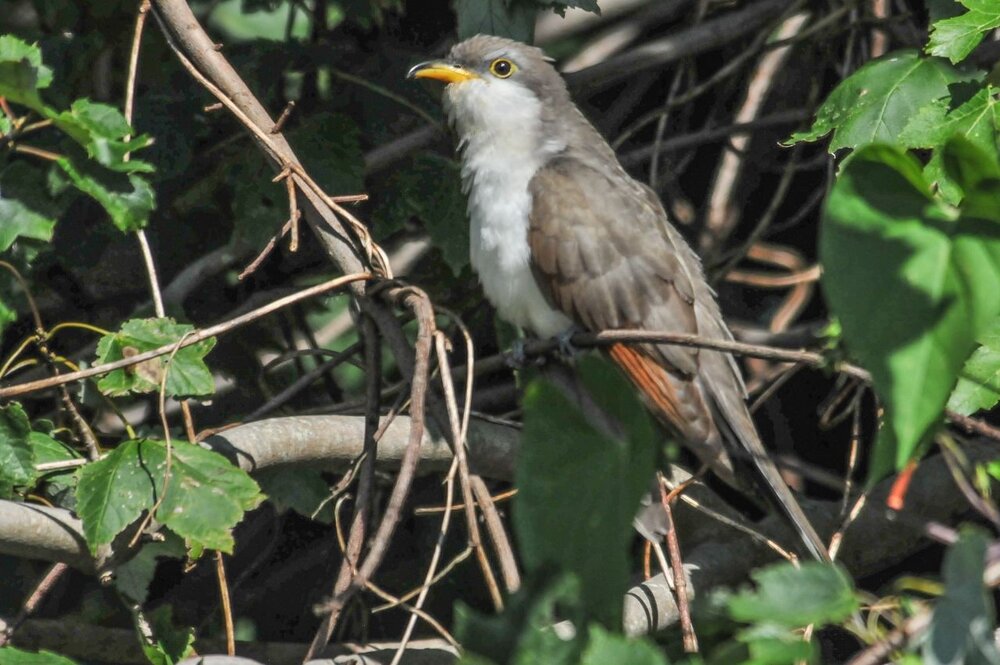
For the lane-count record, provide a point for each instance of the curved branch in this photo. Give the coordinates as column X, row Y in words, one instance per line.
column 331, row 442
column 877, row 539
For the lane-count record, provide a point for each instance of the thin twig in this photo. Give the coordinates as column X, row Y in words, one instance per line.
column 362, row 507
column 227, row 609
column 418, row 301
column 677, row 567
column 449, row 494
column 461, row 459
column 198, row 336
column 31, row 604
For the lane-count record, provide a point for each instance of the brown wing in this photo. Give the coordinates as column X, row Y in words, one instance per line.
column 604, row 253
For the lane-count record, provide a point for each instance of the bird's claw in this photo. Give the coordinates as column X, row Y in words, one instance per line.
column 564, row 344
column 516, row 358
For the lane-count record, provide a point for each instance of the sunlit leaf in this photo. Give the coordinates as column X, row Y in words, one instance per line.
column 913, row 282
column 878, row 101
column 188, row 375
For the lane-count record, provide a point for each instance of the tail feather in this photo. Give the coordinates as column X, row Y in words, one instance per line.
column 707, row 415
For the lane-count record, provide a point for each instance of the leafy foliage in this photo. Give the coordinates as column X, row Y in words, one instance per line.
column 203, row 499
column 17, row 458
column 794, row 597
column 14, row 656
column 877, row 102
column 100, row 129
column 964, row 618
column 913, row 281
column 978, row 386
column 955, row 37
column 187, row 374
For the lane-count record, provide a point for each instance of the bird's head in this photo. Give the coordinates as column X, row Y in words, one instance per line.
column 499, row 87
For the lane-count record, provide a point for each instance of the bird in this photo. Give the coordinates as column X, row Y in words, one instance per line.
column 563, row 238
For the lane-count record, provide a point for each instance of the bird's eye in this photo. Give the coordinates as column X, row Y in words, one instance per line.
column 502, row 68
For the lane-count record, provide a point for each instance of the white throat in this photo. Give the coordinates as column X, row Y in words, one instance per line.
column 499, row 123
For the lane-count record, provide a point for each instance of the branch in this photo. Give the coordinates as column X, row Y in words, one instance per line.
column 90, row 643
column 878, row 539
column 693, row 41
column 194, row 338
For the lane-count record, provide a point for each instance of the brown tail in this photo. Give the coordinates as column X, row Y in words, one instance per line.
column 683, row 408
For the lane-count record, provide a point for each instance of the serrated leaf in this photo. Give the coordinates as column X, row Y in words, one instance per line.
column 46, row 450
column 604, row 647
column 102, row 131
column 586, row 533
column 794, row 597
column 877, row 102
column 962, row 626
column 188, row 375
column 19, row 221
column 129, row 207
column 522, row 634
column 205, row 498
column 22, row 73
column 978, row 386
column 505, row 18
column 913, row 282
column 977, row 120
column 955, row 37
column 133, row 577
column 768, row 644
column 169, row 644
column 14, row 656
column 17, row 459
column 302, row 490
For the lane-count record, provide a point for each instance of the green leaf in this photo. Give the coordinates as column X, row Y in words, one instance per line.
column 169, row 644
column 133, row 577
column 430, row 189
column 17, row 459
column 205, row 498
column 19, row 221
column 977, row 120
column 113, row 492
column 188, row 374
column 878, row 101
column 954, row 38
column 47, row 450
column 913, row 282
column 768, row 644
column 604, row 647
column 129, row 207
column 504, row 18
column 302, row 490
column 522, row 634
column 102, row 130
column 22, row 73
column 962, row 627
column 794, row 597
column 560, row 524
column 978, row 386
column 13, row 656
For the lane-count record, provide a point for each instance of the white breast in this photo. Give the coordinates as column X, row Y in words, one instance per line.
column 500, row 154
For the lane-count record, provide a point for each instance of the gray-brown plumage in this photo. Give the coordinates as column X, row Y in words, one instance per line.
column 562, row 235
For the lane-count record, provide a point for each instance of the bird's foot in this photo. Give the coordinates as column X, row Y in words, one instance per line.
column 516, row 358
column 564, row 344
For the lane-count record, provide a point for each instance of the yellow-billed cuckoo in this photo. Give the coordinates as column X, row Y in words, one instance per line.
column 562, row 236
